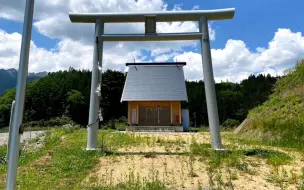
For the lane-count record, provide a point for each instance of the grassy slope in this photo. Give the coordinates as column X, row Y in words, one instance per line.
column 280, row 120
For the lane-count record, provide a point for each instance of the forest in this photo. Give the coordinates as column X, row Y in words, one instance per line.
column 67, row 93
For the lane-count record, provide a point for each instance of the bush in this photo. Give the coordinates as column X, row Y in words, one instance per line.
column 123, row 120
column 231, row 123
column 120, row 126
column 58, row 121
column 116, row 124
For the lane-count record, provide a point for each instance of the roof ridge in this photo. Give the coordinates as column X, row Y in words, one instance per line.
column 157, row 64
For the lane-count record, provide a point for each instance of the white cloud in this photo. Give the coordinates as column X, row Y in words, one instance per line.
column 236, row 62
column 68, row 53
column 75, row 48
column 272, row 72
column 195, row 7
column 52, row 20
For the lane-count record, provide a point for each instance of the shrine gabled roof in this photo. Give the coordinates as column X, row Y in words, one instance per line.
column 155, row 82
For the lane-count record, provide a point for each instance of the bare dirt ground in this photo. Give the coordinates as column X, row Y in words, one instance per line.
column 171, row 164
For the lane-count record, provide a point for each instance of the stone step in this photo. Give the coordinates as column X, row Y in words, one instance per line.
column 155, row 128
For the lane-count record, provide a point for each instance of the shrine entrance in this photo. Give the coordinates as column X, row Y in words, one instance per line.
column 150, row 19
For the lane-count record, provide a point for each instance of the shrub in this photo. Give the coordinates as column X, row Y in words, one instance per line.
column 230, row 123
column 58, row 121
column 116, row 124
column 123, row 120
column 120, row 127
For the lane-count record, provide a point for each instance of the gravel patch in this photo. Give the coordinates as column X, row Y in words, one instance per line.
column 25, row 137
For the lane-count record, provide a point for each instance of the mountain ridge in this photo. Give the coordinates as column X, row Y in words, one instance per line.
column 8, row 78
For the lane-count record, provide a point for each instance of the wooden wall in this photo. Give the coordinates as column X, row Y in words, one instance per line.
column 131, row 106
column 175, row 107
column 175, row 113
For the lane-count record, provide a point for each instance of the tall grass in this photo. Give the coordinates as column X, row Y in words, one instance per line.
column 281, row 119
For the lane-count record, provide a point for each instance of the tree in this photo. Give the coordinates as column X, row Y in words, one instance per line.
column 75, row 107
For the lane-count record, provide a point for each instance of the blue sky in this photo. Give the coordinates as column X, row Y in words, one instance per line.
column 256, row 23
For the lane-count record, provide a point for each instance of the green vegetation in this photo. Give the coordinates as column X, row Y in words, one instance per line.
column 233, row 156
column 280, row 120
column 273, row 137
column 64, row 164
column 66, row 94
column 231, row 123
column 116, row 124
column 133, row 184
column 58, row 121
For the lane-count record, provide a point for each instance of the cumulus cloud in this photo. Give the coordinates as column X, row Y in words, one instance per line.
column 235, row 62
column 75, row 47
column 67, row 53
column 51, row 20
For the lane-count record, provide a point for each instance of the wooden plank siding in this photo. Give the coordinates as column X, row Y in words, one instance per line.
column 131, row 106
column 176, row 113
column 175, row 110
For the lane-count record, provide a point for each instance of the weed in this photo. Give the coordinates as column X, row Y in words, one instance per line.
column 273, row 157
column 301, row 183
column 63, row 164
column 293, row 177
column 210, row 173
column 278, row 177
column 191, row 162
column 34, row 140
column 150, row 155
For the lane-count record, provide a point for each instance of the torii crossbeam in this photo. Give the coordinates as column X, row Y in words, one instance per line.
column 150, row 19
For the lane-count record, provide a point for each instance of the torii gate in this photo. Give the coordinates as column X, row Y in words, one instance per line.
column 150, row 19
column 100, row 19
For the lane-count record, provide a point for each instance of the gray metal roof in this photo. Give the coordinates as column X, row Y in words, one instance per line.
column 155, row 83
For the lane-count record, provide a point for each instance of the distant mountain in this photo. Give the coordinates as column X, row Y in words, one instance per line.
column 8, row 78
column 39, row 75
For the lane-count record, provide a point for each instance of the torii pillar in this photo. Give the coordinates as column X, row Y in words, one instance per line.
column 150, row 19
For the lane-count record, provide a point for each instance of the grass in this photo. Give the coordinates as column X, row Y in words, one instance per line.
column 63, row 163
column 280, row 120
column 301, row 183
column 234, row 157
column 154, row 185
column 273, row 157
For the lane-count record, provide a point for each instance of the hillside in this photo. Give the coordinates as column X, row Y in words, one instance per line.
column 8, row 78
column 280, row 120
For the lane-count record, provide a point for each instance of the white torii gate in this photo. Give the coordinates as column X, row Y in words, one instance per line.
column 150, row 19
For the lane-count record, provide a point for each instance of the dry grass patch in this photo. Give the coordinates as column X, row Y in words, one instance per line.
column 185, row 161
